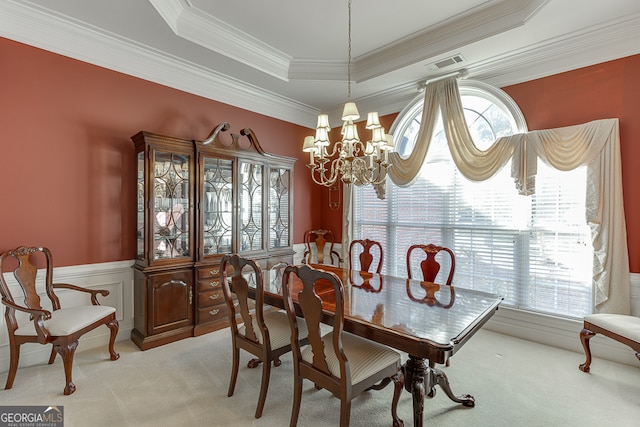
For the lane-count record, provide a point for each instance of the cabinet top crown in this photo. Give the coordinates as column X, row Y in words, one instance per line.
column 245, row 143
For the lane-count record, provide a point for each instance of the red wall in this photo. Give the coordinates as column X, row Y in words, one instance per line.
column 606, row 90
column 67, row 162
column 68, row 165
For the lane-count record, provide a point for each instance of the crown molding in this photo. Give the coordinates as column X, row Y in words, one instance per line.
column 318, row 70
column 450, row 35
column 195, row 25
column 612, row 40
column 43, row 29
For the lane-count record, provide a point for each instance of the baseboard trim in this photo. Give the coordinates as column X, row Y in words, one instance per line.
column 557, row 332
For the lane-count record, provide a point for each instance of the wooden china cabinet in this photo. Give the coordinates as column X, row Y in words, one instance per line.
column 199, row 200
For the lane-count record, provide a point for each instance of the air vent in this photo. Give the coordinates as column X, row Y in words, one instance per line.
column 446, row 62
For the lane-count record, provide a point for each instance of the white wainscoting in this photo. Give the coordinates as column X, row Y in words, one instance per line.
column 117, row 277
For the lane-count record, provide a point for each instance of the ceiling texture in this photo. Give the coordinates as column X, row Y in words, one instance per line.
column 287, row 59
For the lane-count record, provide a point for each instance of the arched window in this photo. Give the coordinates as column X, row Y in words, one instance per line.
column 535, row 250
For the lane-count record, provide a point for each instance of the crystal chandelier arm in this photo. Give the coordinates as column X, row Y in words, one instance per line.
column 337, row 148
column 375, row 174
column 319, row 176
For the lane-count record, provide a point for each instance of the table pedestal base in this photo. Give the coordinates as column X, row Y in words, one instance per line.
column 421, row 378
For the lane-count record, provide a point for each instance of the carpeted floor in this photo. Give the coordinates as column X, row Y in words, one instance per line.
column 514, row 382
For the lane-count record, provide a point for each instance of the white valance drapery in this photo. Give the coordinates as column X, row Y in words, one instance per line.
column 595, row 144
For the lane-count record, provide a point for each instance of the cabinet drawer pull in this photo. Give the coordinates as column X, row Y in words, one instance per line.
column 214, row 283
column 214, row 312
column 214, row 296
column 214, row 272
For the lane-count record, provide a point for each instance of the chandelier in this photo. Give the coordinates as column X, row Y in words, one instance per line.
column 351, row 160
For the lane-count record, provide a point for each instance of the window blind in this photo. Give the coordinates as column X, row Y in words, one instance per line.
column 535, row 251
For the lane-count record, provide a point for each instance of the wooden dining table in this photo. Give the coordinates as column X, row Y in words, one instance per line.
column 428, row 321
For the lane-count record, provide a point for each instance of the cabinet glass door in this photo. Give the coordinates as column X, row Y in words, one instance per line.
column 279, row 189
column 251, row 175
column 171, row 205
column 140, row 212
column 217, row 206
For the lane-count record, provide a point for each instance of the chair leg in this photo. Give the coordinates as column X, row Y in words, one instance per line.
column 585, row 336
column 264, row 387
column 297, row 398
column 67, row 352
column 398, row 385
column 345, row 412
column 254, row 363
column 113, row 326
column 52, row 356
column 234, row 370
column 13, row 364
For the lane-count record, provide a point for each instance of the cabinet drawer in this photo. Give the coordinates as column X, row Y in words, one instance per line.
column 208, row 271
column 206, row 299
column 209, row 284
column 212, row 314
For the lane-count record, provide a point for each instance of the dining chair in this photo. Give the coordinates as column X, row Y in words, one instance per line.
column 344, row 364
column 430, row 266
column 366, row 258
column 320, row 238
column 29, row 322
column 266, row 335
column 620, row 327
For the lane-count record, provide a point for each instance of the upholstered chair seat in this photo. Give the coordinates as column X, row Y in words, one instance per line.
column 279, row 330
column 366, row 357
column 622, row 328
column 67, row 321
column 623, row 325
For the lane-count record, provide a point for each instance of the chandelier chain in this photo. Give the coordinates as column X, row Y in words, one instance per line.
column 349, row 57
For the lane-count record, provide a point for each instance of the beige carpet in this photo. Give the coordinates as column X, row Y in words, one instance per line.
column 515, row 383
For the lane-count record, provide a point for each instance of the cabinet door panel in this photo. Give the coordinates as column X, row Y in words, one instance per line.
column 140, row 235
column 171, row 193
column 279, row 207
column 251, row 216
column 170, row 301
column 216, row 206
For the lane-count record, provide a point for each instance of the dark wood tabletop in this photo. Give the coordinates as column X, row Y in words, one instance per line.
column 428, row 321
column 420, row 318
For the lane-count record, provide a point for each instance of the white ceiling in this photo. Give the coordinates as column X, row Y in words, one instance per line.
column 288, row 58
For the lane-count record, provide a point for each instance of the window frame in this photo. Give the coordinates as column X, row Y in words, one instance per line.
column 412, row 112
